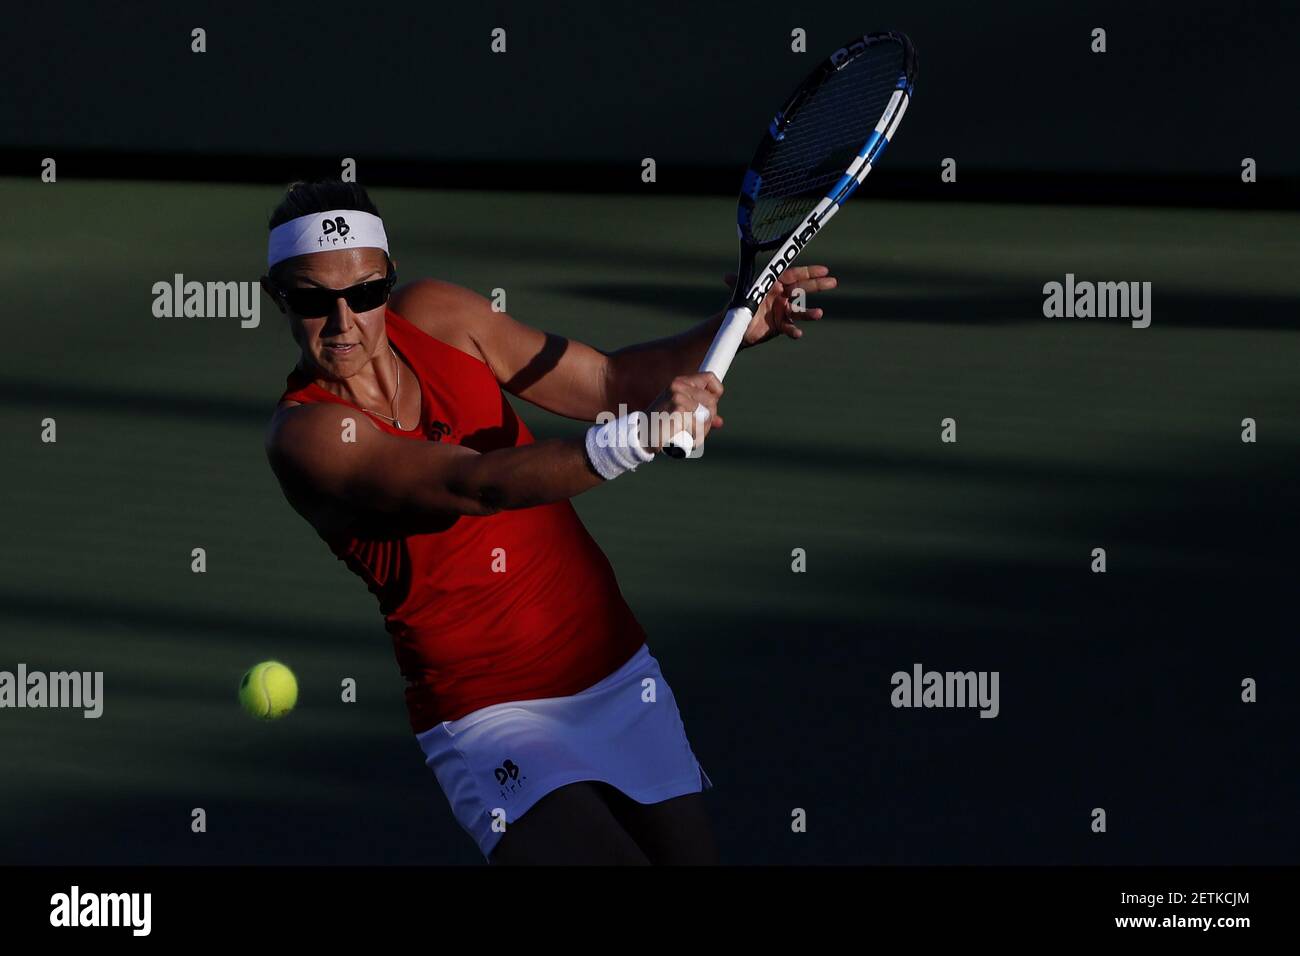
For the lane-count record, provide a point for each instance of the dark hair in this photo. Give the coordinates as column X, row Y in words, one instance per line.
column 322, row 195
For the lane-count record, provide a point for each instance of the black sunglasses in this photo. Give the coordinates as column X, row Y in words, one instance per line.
column 315, row 302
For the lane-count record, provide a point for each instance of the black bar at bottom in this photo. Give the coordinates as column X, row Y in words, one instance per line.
column 267, row 906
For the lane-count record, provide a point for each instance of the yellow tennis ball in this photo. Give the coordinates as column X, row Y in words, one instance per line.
column 268, row 691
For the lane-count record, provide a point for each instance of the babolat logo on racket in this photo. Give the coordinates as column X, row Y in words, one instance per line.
column 779, row 261
column 334, row 231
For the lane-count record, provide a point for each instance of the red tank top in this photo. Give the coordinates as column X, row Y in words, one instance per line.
column 513, row 606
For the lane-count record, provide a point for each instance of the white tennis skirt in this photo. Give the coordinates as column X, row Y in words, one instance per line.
column 496, row 762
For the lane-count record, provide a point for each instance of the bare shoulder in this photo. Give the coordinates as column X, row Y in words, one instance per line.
column 423, row 295
column 446, row 311
column 302, row 437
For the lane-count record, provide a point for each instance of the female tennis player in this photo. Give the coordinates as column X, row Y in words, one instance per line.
column 530, row 687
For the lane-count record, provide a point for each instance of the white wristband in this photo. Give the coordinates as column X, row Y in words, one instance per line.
column 615, row 447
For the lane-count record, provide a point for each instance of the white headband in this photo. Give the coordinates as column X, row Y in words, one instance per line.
column 324, row 232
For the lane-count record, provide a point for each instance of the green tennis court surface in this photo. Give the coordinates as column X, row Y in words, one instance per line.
column 1073, row 434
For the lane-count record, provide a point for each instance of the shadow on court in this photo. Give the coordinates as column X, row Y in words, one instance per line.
column 970, row 301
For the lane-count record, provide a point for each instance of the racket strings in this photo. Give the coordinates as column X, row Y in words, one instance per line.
column 822, row 139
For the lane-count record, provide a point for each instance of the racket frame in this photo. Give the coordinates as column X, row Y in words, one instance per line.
column 749, row 292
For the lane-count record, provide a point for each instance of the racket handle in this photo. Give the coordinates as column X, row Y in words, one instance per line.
column 718, row 360
column 682, row 445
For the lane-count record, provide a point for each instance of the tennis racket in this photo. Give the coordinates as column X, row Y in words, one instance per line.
column 818, row 149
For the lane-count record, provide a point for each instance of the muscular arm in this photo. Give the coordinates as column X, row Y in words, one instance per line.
column 637, row 372
column 561, row 375
column 378, row 478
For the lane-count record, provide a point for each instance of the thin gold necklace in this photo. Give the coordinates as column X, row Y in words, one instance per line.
column 396, row 392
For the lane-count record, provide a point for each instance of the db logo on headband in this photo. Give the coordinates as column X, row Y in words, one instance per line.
column 337, row 225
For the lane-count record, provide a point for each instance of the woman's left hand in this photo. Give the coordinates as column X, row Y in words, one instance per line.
column 785, row 303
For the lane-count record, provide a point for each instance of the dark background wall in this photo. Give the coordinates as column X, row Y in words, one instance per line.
column 1186, row 88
